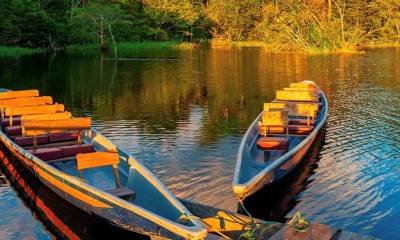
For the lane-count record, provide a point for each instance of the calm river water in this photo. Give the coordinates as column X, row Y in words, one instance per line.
column 183, row 113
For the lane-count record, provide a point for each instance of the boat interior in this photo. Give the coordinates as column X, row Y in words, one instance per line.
column 283, row 124
column 47, row 131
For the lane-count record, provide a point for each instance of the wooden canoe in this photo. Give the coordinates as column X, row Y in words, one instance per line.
column 149, row 208
column 256, row 167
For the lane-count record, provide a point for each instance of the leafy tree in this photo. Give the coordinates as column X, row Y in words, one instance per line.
column 233, row 20
column 96, row 20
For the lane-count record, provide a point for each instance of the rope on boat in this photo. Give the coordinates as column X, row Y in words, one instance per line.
column 299, row 223
column 247, row 212
column 187, row 218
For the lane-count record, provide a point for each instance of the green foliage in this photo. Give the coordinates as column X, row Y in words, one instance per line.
column 284, row 25
column 233, row 20
column 16, row 51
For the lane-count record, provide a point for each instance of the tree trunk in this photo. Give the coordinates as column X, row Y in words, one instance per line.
column 113, row 40
column 329, row 8
column 102, row 45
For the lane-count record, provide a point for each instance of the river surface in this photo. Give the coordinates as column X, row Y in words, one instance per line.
column 183, row 113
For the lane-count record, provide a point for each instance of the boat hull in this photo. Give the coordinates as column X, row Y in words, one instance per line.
column 88, row 201
column 62, row 218
column 280, row 167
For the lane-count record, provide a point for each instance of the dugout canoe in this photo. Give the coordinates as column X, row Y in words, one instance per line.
column 265, row 158
column 87, row 170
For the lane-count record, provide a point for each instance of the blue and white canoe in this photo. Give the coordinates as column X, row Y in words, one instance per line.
column 279, row 137
column 86, row 169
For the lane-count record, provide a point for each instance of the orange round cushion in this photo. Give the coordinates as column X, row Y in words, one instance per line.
column 273, row 143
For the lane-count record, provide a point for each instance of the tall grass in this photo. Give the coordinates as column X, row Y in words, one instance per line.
column 18, row 51
column 147, row 45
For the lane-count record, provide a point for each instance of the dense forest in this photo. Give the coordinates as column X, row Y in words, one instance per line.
column 284, row 25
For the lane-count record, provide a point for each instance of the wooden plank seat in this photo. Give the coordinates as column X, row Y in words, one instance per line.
column 73, row 150
column 63, row 137
column 51, row 145
column 18, row 119
column 48, row 139
column 31, row 110
column 28, row 141
column 6, row 121
column 98, row 159
column 54, row 153
column 13, row 131
column 59, row 126
column 19, row 94
column 306, row 89
column 273, row 120
column 293, row 102
column 273, row 143
column 300, row 121
column 46, row 153
column 37, row 127
column 25, row 101
column 300, row 129
column 295, row 111
column 291, row 129
column 122, row 192
column 306, row 96
column 102, row 159
column 305, row 84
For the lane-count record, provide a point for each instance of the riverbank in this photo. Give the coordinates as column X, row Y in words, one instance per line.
column 17, row 51
column 217, row 44
column 126, row 46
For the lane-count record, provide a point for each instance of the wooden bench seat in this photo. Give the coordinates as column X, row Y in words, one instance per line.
column 47, row 153
column 45, row 139
column 19, row 94
column 122, row 192
column 6, row 121
column 13, row 131
column 299, row 121
column 73, row 150
column 63, row 137
column 291, row 129
column 300, row 129
column 28, row 141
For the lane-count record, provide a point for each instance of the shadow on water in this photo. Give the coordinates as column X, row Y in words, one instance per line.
column 62, row 219
column 274, row 201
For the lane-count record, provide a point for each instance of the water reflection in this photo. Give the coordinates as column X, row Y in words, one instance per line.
column 277, row 199
column 185, row 119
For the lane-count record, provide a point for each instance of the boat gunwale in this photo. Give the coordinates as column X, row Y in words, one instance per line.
column 198, row 229
column 243, row 190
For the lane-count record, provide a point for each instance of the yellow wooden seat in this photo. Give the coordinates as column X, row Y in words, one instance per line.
column 308, row 85
column 306, row 96
column 98, row 159
column 26, row 101
column 19, row 94
column 50, row 116
column 304, row 89
column 308, row 110
column 32, row 110
column 277, row 105
column 274, row 121
column 39, row 127
column 305, row 83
